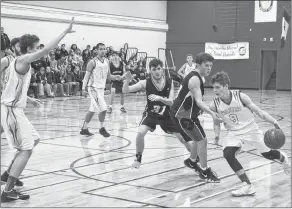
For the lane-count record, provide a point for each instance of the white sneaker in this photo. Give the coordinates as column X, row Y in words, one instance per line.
column 245, row 190
column 286, row 164
column 136, row 164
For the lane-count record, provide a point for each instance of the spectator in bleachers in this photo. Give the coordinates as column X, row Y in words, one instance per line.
column 78, row 77
column 5, row 43
column 65, row 85
column 62, row 63
column 78, row 58
column 63, row 50
column 58, row 54
column 51, row 81
column 33, row 89
column 52, row 61
column 93, row 52
column 70, row 79
column 85, row 58
column 60, row 86
column 73, row 47
column 43, row 86
column 87, row 48
column 38, row 64
column 140, row 72
column 42, row 46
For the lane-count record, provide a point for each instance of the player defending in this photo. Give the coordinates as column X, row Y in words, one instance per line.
column 185, row 111
column 97, row 72
column 236, row 110
column 117, row 67
column 160, row 93
column 18, row 130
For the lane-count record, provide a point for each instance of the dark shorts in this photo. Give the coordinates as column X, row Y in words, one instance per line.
column 118, row 86
column 190, row 129
column 164, row 121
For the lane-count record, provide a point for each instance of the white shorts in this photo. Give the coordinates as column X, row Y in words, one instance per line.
column 98, row 103
column 19, row 132
column 254, row 138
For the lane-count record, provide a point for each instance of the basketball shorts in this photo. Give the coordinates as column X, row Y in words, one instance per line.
column 253, row 137
column 19, row 132
column 97, row 103
column 164, row 121
column 193, row 133
column 118, row 86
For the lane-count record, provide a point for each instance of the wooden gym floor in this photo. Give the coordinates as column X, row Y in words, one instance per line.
column 70, row 170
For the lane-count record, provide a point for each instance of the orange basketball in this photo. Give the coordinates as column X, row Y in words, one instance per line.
column 274, row 138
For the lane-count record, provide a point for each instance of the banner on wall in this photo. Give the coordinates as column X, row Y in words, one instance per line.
column 238, row 50
column 265, row 11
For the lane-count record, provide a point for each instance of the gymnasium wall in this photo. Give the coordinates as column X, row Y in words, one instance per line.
column 91, row 28
column 143, row 9
column 190, row 26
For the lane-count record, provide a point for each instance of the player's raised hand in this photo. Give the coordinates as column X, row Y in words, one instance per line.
column 70, row 27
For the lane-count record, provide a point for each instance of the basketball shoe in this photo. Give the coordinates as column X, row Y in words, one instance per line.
column 193, row 165
column 86, row 132
column 245, row 190
column 13, row 195
column 104, row 132
column 209, row 175
column 136, row 164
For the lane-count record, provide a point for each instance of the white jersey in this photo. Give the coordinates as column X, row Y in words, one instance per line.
column 189, row 68
column 9, row 58
column 15, row 87
column 99, row 74
column 235, row 115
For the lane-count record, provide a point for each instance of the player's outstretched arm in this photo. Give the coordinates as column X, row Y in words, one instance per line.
column 217, row 127
column 136, row 87
column 246, row 100
column 29, row 58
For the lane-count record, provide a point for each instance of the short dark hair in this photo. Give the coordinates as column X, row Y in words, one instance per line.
column 63, row 45
column 204, row 57
column 189, row 55
column 42, row 45
column 99, row 44
column 27, row 40
column 14, row 41
column 155, row 62
column 220, row 77
column 115, row 52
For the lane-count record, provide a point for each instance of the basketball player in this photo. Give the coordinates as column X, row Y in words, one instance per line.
column 19, row 131
column 187, row 67
column 117, row 67
column 160, row 93
column 97, row 72
column 236, row 110
column 6, row 62
column 185, row 111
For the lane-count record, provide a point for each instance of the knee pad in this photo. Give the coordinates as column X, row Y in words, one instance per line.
column 272, row 155
column 229, row 153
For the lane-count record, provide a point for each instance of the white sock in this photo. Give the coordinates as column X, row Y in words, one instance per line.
column 193, row 160
column 101, row 124
column 110, row 106
column 84, row 125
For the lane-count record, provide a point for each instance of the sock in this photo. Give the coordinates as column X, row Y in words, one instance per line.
column 243, row 177
column 193, row 160
column 101, row 124
column 122, row 106
column 139, row 157
column 84, row 125
column 110, row 106
column 10, row 183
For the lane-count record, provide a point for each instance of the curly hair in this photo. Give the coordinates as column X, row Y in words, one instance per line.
column 220, row 77
column 27, row 41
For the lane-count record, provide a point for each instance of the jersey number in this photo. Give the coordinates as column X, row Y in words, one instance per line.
column 157, row 109
column 234, row 118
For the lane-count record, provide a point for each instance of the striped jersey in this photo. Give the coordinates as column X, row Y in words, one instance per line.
column 15, row 86
column 185, row 105
column 99, row 74
column 235, row 115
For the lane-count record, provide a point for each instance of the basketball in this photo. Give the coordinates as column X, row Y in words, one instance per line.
column 274, row 138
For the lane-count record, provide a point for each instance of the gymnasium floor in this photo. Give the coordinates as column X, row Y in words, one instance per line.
column 70, row 170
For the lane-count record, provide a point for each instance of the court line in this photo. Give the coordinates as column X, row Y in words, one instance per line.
column 202, row 183
column 117, row 198
column 219, row 193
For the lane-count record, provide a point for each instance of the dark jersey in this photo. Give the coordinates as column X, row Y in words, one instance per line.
column 185, row 105
column 141, row 74
column 117, row 70
column 155, row 107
